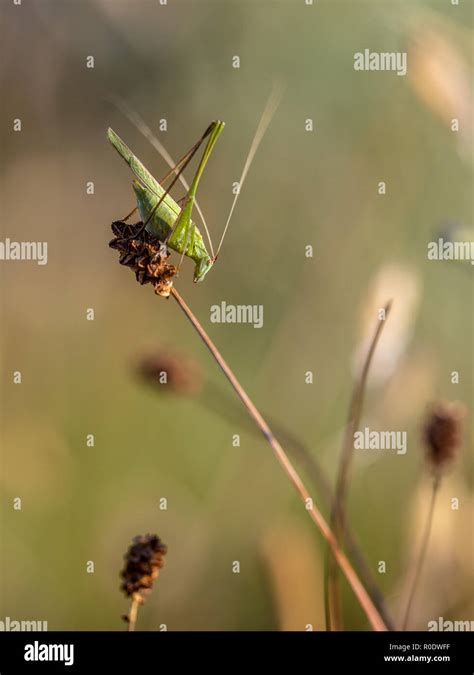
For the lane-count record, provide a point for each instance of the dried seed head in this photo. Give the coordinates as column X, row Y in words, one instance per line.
column 170, row 372
column 443, row 433
column 145, row 255
column 143, row 561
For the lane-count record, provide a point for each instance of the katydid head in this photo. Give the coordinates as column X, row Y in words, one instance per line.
column 202, row 268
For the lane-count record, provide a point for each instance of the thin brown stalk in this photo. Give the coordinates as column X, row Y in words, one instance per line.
column 132, row 615
column 338, row 511
column 356, row 585
column 423, row 549
column 215, row 400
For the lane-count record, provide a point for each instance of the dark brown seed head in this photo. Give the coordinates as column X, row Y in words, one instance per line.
column 145, row 255
column 143, row 561
column 443, row 433
column 167, row 372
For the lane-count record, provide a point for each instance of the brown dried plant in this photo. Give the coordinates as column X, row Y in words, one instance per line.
column 143, row 561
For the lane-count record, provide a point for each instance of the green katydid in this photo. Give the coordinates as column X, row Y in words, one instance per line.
column 161, row 214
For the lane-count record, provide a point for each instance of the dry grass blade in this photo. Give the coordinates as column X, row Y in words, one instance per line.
column 423, row 550
column 338, row 511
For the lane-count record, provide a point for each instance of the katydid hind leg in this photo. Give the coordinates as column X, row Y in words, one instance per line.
column 183, row 222
column 178, row 170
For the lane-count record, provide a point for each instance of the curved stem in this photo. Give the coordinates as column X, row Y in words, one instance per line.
column 359, row 590
column 338, row 511
column 423, row 550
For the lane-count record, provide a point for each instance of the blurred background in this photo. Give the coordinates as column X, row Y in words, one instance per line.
column 316, row 188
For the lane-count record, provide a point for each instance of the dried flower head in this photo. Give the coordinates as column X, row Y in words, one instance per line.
column 174, row 372
column 443, row 433
column 143, row 561
column 145, row 255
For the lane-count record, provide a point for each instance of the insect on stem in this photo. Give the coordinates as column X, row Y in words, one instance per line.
column 147, row 133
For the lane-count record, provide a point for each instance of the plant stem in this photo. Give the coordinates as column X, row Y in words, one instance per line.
column 338, row 512
column 423, row 549
column 132, row 616
column 359, row 590
column 218, row 402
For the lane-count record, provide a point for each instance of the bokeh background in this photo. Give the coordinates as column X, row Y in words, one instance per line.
column 316, row 188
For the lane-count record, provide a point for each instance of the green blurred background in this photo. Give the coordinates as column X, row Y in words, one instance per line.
column 316, row 188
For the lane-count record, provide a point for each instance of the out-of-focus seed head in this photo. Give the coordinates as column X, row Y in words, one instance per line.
column 143, row 561
column 443, row 432
column 166, row 372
